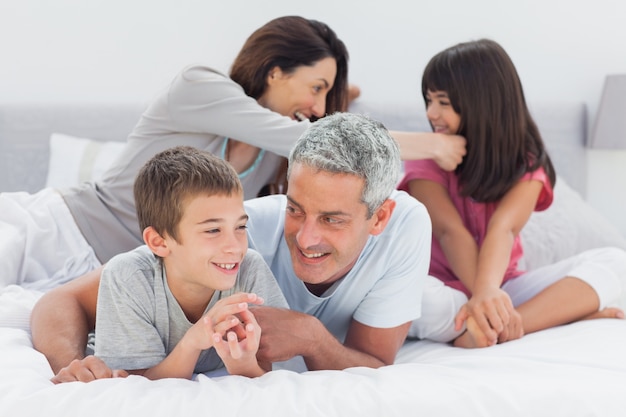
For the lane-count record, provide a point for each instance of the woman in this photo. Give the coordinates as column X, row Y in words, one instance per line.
column 289, row 68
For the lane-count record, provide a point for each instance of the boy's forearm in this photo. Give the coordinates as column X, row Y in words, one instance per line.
column 250, row 369
column 180, row 363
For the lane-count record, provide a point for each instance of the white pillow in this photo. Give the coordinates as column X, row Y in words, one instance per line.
column 568, row 227
column 76, row 160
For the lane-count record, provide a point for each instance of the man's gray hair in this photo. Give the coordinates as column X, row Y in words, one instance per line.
column 353, row 144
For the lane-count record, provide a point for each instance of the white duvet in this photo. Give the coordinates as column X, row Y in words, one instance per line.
column 573, row 370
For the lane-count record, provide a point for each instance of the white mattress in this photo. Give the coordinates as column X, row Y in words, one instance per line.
column 573, row 370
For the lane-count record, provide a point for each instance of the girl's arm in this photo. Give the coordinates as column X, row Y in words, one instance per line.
column 457, row 243
column 446, row 150
column 489, row 302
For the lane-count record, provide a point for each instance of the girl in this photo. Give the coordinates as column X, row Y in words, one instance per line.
column 472, row 89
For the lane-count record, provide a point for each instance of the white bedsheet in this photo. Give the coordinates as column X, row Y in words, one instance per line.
column 573, row 370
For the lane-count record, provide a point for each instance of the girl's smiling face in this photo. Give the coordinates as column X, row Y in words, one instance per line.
column 441, row 114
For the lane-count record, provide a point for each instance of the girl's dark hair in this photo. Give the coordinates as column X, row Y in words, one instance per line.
column 289, row 42
column 503, row 141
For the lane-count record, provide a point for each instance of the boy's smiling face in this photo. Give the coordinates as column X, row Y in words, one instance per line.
column 212, row 242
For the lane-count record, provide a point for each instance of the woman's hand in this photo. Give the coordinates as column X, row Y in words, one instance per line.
column 448, row 150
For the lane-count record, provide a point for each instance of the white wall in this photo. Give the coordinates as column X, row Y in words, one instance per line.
column 77, row 50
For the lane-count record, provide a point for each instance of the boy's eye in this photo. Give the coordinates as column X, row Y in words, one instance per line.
column 212, row 231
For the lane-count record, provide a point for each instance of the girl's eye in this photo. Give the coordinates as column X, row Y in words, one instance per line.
column 243, row 227
column 212, row 231
column 317, row 88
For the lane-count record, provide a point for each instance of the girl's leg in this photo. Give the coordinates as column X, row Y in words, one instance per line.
column 570, row 290
column 440, row 304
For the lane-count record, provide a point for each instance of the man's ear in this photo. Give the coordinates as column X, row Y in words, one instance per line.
column 382, row 216
column 156, row 242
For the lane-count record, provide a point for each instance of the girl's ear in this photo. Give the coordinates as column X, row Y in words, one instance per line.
column 156, row 242
column 382, row 216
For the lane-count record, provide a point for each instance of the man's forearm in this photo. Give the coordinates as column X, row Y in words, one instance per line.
column 328, row 353
column 59, row 330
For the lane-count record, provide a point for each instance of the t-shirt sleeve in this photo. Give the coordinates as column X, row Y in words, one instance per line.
column 256, row 277
column 423, row 169
column 265, row 224
column 547, row 193
column 396, row 296
column 125, row 335
column 202, row 100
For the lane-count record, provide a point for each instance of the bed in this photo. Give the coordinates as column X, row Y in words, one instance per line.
column 572, row 370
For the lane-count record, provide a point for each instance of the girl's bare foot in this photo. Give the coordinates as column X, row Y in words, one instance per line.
column 472, row 337
column 606, row 313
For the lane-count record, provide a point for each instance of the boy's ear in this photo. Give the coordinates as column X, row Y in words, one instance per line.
column 382, row 216
column 155, row 242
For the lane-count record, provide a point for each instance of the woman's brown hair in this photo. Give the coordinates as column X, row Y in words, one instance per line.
column 289, row 42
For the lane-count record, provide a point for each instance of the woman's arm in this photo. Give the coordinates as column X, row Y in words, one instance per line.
column 446, row 150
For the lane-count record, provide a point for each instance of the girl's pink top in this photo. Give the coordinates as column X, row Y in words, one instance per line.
column 475, row 216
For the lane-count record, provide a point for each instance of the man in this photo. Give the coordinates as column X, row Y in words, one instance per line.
column 350, row 254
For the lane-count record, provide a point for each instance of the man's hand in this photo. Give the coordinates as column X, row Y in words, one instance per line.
column 85, row 370
column 282, row 337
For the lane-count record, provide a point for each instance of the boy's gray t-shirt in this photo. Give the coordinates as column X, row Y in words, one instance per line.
column 138, row 321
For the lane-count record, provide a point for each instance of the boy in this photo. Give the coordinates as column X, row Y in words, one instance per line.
column 163, row 306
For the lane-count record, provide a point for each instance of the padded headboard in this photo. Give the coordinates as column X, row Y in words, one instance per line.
column 563, row 127
column 25, row 131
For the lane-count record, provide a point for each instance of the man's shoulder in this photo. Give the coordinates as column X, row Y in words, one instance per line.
column 266, row 215
column 266, row 204
column 407, row 206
